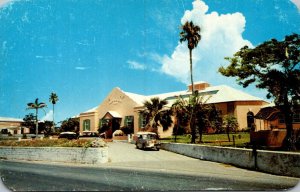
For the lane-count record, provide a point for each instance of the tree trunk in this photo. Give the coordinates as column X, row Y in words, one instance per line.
column 191, row 70
column 36, row 122
column 200, row 135
column 288, row 142
column 227, row 131
column 53, row 124
column 193, row 131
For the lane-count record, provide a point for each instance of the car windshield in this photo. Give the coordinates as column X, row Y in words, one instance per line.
column 150, row 136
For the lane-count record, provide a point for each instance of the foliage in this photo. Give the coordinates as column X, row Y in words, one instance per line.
column 274, row 66
column 36, row 105
column 29, row 122
column 193, row 111
column 190, row 33
column 70, row 124
column 156, row 114
column 53, row 99
column 46, row 127
column 55, row 143
column 231, row 124
column 127, row 130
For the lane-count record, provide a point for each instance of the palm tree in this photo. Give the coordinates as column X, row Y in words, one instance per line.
column 156, row 113
column 53, row 99
column 190, row 33
column 36, row 105
column 194, row 107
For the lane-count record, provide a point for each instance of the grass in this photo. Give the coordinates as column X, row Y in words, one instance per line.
column 241, row 139
column 53, row 143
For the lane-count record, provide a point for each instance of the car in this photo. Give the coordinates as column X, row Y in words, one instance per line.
column 68, row 135
column 89, row 134
column 147, row 140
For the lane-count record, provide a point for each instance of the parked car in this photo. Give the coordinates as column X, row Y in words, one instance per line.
column 147, row 140
column 89, row 134
column 68, row 135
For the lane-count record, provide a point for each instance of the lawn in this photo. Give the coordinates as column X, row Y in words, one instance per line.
column 242, row 139
column 54, row 143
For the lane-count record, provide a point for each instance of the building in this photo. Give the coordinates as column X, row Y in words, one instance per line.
column 270, row 118
column 121, row 108
column 12, row 126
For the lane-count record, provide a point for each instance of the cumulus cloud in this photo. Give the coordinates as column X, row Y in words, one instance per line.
column 4, row 2
column 297, row 3
column 48, row 116
column 221, row 36
column 136, row 65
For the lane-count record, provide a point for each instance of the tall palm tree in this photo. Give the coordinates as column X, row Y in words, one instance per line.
column 156, row 113
column 191, row 34
column 36, row 105
column 53, row 99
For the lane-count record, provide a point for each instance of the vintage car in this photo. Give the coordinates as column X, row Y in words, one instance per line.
column 89, row 134
column 147, row 140
column 68, row 135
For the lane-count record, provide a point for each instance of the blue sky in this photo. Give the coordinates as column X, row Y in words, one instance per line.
column 82, row 49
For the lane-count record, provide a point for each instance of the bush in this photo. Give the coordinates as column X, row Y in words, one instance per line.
column 55, row 143
column 24, row 136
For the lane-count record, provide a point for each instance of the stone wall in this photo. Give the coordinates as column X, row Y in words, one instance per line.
column 56, row 154
column 280, row 163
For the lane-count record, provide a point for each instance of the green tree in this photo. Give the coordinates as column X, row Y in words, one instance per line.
column 53, row 99
column 36, row 105
column 156, row 114
column 274, row 66
column 191, row 34
column 29, row 122
column 231, row 124
column 194, row 109
column 46, row 127
column 70, row 124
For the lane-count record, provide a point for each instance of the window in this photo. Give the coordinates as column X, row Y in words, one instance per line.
column 142, row 121
column 86, row 125
column 128, row 121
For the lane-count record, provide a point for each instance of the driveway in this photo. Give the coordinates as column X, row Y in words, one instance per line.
column 126, row 156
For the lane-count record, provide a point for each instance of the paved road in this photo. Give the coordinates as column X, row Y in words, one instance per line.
column 133, row 169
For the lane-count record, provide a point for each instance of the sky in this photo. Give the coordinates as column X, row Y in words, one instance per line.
column 82, row 49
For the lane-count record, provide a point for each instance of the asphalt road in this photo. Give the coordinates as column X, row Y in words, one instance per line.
column 133, row 169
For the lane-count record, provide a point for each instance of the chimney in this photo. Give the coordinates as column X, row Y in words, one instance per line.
column 201, row 85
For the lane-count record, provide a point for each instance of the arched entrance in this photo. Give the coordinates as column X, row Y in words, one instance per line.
column 111, row 121
column 250, row 119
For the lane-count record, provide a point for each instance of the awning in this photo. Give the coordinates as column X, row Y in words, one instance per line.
column 268, row 113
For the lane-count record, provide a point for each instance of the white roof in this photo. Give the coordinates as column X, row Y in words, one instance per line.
column 91, row 110
column 10, row 119
column 115, row 114
column 213, row 94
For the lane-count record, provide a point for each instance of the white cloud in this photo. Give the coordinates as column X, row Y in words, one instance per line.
column 136, row 65
column 80, row 68
column 48, row 116
column 297, row 3
column 4, row 2
column 221, row 36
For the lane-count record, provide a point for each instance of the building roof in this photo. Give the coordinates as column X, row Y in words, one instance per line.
column 90, row 110
column 10, row 119
column 212, row 94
